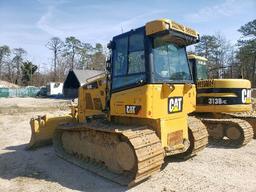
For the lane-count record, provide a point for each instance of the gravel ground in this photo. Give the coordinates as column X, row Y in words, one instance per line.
column 215, row 169
column 20, row 105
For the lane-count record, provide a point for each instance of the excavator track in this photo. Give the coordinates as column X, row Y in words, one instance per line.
column 198, row 138
column 247, row 116
column 124, row 154
column 239, row 132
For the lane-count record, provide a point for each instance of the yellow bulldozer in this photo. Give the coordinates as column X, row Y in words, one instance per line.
column 133, row 115
column 224, row 105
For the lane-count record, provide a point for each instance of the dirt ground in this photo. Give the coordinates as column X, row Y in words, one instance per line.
column 215, row 169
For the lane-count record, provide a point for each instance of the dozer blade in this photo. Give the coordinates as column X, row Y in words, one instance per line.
column 43, row 127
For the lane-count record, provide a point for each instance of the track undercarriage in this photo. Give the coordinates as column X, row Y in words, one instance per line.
column 250, row 117
column 123, row 154
column 198, row 137
column 230, row 131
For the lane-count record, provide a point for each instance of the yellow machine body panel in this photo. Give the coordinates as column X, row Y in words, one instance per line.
column 223, row 95
column 152, row 100
column 162, row 107
column 219, row 95
column 197, row 57
column 92, row 98
column 167, row 24
column 224, row 83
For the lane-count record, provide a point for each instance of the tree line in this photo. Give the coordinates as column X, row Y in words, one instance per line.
column 224, row 60
column 74, row 54
column 13, row 67
column 71, row 53
column 231, row 61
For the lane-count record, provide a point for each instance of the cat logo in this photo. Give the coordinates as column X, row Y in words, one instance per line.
column 175, row 104
column 246, row 96
column 132, row 109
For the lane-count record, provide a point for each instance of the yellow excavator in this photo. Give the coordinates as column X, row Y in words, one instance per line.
column 224, row 105
column 134, row 114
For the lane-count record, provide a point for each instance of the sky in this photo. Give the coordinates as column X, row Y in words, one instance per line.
column 30, row 24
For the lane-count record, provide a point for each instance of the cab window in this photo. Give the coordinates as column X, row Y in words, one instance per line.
column 136, row 54
column 129, row 60
column 120, row 56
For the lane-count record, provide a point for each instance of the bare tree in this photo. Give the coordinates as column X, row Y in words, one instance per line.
column 216, row 49
column 55, row 45
column 4, row 52
column 18, row 60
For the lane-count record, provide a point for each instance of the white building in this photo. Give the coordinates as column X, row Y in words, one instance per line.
column 54, row 88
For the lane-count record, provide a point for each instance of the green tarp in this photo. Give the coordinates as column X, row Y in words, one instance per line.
column 19, row 92
column 4, row 92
